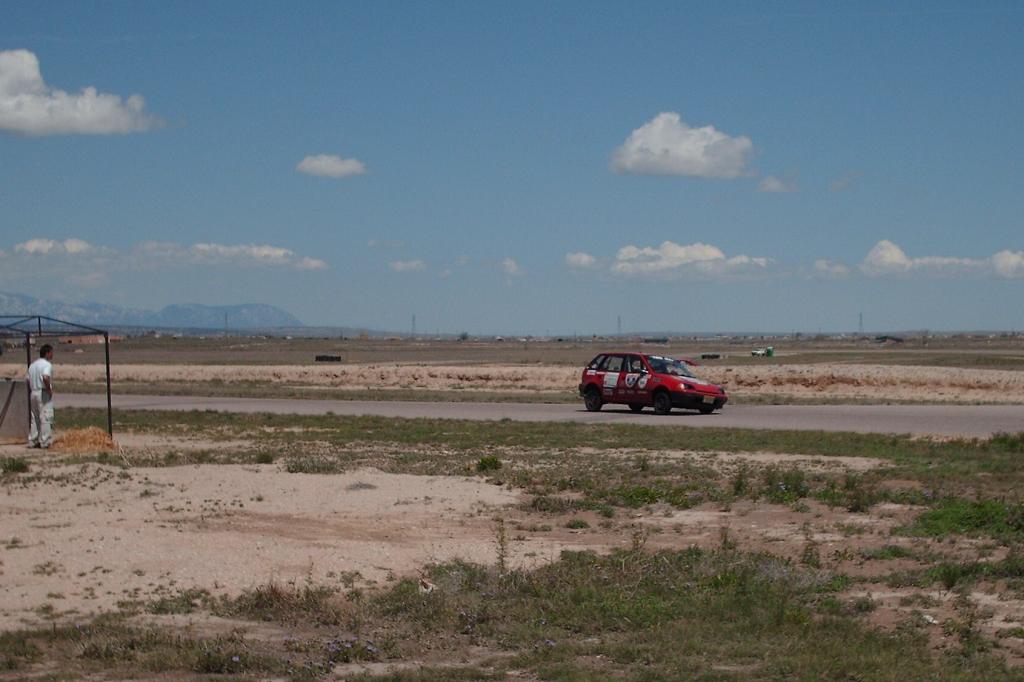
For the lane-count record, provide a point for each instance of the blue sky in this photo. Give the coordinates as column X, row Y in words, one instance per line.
column 521, row 167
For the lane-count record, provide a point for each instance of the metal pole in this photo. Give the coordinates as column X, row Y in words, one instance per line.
column 110, row 412
column 28, row 385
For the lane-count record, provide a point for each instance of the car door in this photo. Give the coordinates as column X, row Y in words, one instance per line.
column 613, row 367
column 631, row 388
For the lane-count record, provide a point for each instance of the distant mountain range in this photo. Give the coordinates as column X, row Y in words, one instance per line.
column 178, row 316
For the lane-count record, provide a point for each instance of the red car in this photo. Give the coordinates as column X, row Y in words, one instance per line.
column 639, row 380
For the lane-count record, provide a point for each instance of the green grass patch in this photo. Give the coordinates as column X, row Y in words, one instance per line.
column 952, row 574
column 690, row 614
column 109, row 644
column 994, row 518
column 272, row 601
column 465, row 434
column 13, row 465
column 488, row 463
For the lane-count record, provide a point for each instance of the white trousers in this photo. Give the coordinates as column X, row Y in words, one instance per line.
column 40, row 429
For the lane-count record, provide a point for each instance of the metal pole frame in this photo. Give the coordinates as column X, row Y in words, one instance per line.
column 110, row 409
column 15, row 325
column 28, row 387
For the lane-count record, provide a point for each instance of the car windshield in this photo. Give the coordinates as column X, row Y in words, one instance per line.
column 669, row 366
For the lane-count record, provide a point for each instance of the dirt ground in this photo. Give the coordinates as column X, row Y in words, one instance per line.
column 819, row 381
column 77, row 539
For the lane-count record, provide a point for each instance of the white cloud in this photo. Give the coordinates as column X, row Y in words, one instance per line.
column 172, row 254
column 827, row 268
column 886, row 258
column 462, row 261
column 775, row 185
column 1008, row 263
column 42, row 247
column 77, row 263
column 670, row 260
column 307, row 263
column 330, row 166
column 33, row 246
column 408, row 265
column 580, row 260
column 511, row 268
column 666, row 145
column 77, row 246
column 249, row 254
column 28, row 106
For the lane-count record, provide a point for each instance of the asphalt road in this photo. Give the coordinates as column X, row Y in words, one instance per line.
column 939, row 420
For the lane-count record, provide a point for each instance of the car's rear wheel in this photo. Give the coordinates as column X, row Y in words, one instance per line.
column 662, row 402
column 636, row 407
column 706, row 409
column 592, row 399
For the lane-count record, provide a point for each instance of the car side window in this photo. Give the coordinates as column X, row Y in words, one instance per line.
column 614, row 363
column 596, row 362
column 635, row 364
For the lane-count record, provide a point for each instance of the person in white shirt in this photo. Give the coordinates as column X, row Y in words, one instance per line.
column 40, row 385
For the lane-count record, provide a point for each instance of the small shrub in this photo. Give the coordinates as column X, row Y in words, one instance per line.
column 311, row 465
column 1008, row 442
column 488, row 463
column 859, row 500
column 265, row 458
column 811, row 556
column 284, row 603
column 864, row 605
column 741, row 481
column 950, row 574
column 185, row 601
column 13, row 465
column 577, row 524
column 888, row 552
column 553, row 504
column 785, row 486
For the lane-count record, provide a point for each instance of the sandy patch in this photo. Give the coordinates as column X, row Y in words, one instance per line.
column 82, row 538
column 774, row 527
column 807, row 463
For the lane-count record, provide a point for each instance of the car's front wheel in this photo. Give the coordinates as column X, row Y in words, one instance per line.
column 662, row 402
column 706, row 409
column 592, row 399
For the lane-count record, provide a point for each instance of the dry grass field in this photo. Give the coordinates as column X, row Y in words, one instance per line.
column 229, row 546
column 971, row 371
